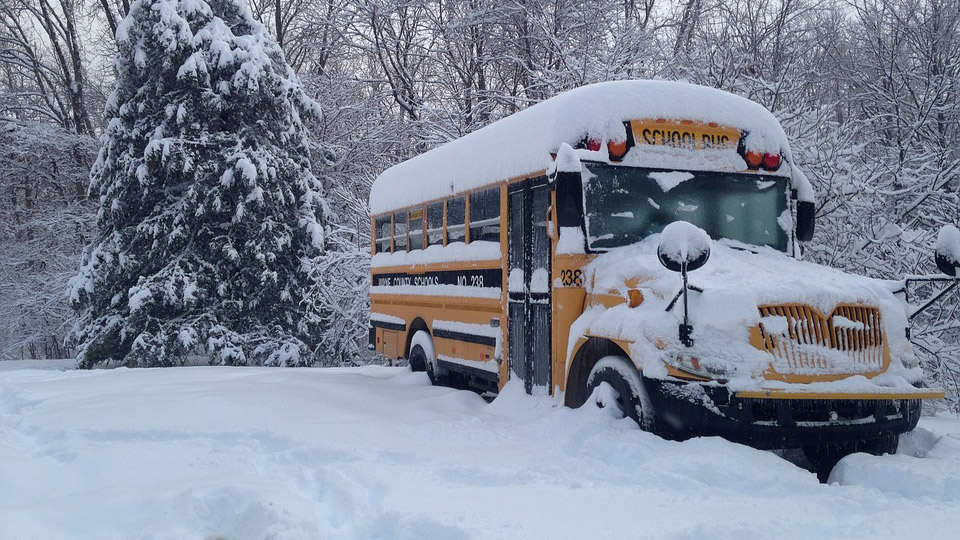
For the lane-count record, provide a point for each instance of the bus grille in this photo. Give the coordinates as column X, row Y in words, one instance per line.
column 805, row 342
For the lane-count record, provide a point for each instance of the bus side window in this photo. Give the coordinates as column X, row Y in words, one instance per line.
column 435, row 224
column 383, row 234
column 456, row 214
column 416, row 229
column 485, row 215
column 400, row 231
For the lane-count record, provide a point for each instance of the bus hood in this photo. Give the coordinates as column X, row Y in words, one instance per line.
column 736, row 282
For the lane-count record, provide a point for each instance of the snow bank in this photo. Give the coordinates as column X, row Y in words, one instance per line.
column 60, row 364
column 523, row 142
column 926, row 467
column 258, row 453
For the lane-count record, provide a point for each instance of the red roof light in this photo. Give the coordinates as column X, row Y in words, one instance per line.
column 771, row 162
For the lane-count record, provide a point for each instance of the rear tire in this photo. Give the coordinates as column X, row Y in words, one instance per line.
column 630, row 396
column 824, row 457
column 422, row 355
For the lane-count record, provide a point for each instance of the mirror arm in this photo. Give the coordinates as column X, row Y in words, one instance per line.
column 674, row 301
column 551, row 224
column 936, row 298
column 685, row 328
column 677, row 296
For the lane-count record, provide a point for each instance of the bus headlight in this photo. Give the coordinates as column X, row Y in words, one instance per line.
column 693, row 365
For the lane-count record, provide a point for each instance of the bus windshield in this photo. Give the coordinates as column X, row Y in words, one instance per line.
column 625, row 204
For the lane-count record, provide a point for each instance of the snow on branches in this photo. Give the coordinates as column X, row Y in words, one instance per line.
column 209, row 215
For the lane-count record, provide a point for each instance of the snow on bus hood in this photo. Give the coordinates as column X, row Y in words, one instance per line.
column 734, row 282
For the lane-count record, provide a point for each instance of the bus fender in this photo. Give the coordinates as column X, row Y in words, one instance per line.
column 415, row 326
column 589, row 351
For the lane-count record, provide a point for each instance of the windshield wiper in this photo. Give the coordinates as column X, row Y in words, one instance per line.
column 742, row 248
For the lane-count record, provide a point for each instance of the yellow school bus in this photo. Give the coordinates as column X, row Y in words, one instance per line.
column 636, row 244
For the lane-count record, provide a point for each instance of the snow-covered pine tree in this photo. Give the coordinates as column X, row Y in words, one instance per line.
column 209, row 215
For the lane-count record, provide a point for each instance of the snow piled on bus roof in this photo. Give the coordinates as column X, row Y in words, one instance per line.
column 522, row 143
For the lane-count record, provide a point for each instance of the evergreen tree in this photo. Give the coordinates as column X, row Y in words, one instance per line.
column 209, row 215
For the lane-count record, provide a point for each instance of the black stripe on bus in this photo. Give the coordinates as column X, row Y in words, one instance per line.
column 388, row 325
column 483, row 277
column 468, row 370
column 463, row 336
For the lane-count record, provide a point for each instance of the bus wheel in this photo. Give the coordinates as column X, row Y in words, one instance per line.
column 422, row 355
column 628, row 394
column 824, row 457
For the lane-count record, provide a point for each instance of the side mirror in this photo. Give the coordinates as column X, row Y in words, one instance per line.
column 569, row 186
column 684, row 247
column 805, row 220
column 569, row 199
column 551, row 226
column 947, row 253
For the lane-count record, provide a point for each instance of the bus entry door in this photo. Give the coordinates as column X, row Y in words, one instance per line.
column 528, row 285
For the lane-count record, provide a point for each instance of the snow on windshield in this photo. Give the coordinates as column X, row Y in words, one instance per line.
column 670, row 180
column 626, row 204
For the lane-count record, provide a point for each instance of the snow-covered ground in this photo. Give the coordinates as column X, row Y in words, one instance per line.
column 375, row 452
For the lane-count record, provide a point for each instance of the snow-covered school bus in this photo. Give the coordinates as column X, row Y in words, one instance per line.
column 636, row 244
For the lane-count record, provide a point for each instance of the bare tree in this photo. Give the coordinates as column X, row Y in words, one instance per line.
column 45, row 219
column 43, row 57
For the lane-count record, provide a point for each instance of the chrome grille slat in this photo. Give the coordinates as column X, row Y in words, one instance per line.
column 814, row 344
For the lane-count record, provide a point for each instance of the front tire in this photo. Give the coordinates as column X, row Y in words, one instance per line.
column 628, row 397
column 824, row 457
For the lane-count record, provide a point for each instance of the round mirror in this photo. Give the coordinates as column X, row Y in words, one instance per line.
column 683, row 245
column 947, row 253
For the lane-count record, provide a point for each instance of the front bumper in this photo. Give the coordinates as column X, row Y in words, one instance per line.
column 689, row 409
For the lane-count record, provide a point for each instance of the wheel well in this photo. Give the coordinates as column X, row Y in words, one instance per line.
column 583, row 361
column 417, row 325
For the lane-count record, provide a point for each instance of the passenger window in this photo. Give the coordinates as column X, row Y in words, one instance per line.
column 383, row 234
column 416, row 229
column 435, row 224
column 485, row 215
column 456, row 213
column 399, row 231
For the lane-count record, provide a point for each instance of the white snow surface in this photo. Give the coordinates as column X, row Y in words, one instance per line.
column 571, row 240
column 478, row 250
column 682, row 241
column 468, row 328
column 438, row 290
column 567, row 160
column 384, row 318
column 523, row 142
column 670, row 179
column 926, row 466
column 376, row 452
column 490, row 366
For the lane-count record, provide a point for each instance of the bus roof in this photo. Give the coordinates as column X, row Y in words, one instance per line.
column 523, row 142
